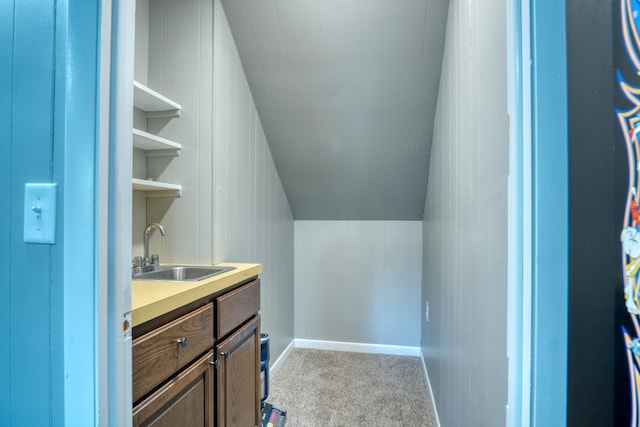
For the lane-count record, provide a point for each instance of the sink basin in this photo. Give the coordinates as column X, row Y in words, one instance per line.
column 181, row 273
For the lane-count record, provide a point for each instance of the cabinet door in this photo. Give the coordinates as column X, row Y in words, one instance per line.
column 185, row 401
column 238, row 377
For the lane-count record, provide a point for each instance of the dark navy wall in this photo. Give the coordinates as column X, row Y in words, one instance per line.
column 593, row 226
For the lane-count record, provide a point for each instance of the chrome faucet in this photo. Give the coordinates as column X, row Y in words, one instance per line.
column 155, row 259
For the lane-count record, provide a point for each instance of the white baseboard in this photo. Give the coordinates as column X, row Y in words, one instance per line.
column 432, row 401
column 397, row 350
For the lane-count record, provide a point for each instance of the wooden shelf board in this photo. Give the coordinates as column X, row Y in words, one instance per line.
column 147, row 141
column 157, row 186
column 149, row 100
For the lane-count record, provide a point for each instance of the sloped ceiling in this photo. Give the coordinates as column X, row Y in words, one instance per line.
column 346, row 92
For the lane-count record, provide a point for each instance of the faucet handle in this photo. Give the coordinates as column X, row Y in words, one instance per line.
column 155, row 259
column 137, row 261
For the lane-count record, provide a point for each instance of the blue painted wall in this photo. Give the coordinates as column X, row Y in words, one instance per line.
column 48, row 52
column 6, row 80
column 30, row 318
column 550, row 187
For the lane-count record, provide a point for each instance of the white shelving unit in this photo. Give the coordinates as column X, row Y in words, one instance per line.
column 153, row 103
column 150, row 142
column 155, row 106
column 157, row 188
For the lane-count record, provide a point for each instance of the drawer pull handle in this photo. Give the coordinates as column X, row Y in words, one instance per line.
column 224, row 354
column 182, row 342
column 215, row 363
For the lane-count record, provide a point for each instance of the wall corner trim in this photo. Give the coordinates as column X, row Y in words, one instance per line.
column 432, row 402
column 275, row 366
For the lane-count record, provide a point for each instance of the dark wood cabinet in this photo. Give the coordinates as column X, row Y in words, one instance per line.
column 162, row 352
column 237, row 380
column 199, row 365
column 185, row 401
column 236, row 307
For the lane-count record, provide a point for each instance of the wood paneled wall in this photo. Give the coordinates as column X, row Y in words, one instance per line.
column 233, row 206
column 252, row 220
column 180, row 64
column 465, row 222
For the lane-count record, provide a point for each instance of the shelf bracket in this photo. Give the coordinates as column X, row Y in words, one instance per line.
column 162, row 114
column 163, row 153
column 164, row 193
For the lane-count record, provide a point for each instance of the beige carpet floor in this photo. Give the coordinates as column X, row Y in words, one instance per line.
column 332, row 389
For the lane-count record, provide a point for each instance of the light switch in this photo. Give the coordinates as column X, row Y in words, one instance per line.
column 40, row 213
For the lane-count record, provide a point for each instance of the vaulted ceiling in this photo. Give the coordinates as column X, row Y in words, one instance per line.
column 346, row 92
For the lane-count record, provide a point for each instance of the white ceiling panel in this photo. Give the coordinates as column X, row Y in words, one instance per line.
column 346, row 93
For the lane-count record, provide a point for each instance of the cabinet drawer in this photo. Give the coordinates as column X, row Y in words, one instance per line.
column 236, row 307
column 160, row 353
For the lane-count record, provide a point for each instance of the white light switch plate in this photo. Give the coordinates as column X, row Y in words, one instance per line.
column 40, row 213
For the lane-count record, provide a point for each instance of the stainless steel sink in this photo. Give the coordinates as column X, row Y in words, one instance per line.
column 181, row 273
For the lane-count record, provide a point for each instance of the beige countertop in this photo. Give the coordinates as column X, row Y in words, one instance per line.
column 152, row 299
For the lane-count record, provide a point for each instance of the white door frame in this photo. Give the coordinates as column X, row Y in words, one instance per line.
column 114, row 218
column 519, row 224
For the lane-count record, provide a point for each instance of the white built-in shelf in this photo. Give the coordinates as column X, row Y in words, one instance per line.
column 157, row 188
column 153, row 103
column 149, row 142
